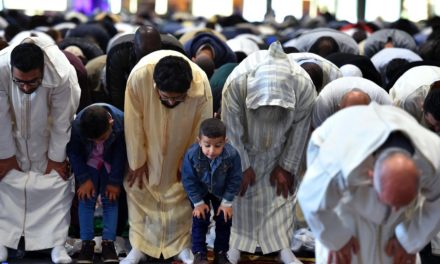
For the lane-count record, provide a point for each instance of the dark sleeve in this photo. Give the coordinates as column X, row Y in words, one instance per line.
column 118, row 68
column 398, row 140
column 234, row 178
column 77, row 157
column 119, row 161
column 190, row 180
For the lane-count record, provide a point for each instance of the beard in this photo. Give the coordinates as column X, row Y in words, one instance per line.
column 165, row 103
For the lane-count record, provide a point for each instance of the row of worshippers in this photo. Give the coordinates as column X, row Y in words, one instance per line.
column 39, row 99
column 107, row 67
column 266, row 108
column 268, row 102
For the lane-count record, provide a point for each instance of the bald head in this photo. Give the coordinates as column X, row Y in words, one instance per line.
column 354, row 97
column 146, row 40
column 396, row 178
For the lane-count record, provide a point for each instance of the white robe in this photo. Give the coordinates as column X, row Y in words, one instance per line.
column 327, row 102
column 337, row 196
column 330, row 71
column 411, row 88
column 303, row 43
column 381, row 59
column 36, row 127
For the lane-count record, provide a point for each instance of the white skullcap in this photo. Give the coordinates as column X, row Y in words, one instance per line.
column 351, row 70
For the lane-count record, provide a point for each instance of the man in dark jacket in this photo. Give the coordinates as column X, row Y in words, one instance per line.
column 123, row 57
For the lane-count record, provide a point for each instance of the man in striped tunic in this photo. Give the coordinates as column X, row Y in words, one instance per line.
column 267, row 104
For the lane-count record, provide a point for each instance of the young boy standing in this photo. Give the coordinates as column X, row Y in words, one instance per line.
column 211, row 176
column 98, row 158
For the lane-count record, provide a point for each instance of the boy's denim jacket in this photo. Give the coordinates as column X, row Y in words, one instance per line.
column 221, row 177
column 80, row 148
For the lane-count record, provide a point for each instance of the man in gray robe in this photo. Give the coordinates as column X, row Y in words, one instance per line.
column 266, row 105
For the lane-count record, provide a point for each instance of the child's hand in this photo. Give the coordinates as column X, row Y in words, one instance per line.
column 86, row 190
column 227, row 212
column 199, row 211
column 112, row 192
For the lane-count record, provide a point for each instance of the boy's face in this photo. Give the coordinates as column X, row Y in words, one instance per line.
column 212, row 147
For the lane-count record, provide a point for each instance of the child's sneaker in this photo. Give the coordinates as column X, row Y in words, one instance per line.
column 200, row 258
column 87, row 252
column 109, row 252
column 221, row 258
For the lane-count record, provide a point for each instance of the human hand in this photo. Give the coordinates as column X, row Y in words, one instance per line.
column 248, row 179
column 200, row 211
column 283, row 181
column 7, row 165
column 400, row 256
column 227, row 212
column 112, row 192
column 86, row 190
column 343, row 255
column 62, row 168
column 138, row 174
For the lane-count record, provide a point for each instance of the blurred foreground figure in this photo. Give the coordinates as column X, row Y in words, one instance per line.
column 371, row 193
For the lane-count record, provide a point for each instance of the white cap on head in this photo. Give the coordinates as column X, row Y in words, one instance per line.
column 350, row 70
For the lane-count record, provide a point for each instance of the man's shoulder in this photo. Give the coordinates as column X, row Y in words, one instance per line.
column 121, row 49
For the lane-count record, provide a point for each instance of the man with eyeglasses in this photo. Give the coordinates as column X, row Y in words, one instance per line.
column 39, row 94
column 166, row 99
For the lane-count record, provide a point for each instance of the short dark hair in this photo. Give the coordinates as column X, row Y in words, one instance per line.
column 290, row 49
column 173, row 74
column 27, row 57
column 432, row 101
column 324, row 46
column 393, row 67
column 212, row 128
column 94, row 121
column 316, row 74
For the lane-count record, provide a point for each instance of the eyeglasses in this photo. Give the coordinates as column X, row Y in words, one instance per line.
column 33, row 83
column 178, row 98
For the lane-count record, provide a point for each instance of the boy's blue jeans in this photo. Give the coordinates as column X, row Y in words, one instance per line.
column 200, row 228
column 86, row 210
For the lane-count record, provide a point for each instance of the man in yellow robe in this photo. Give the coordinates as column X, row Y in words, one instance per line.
column 166, row 99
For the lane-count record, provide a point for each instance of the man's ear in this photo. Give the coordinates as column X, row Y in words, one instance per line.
column 111, row 121
column 198, row 140
column 370, row 173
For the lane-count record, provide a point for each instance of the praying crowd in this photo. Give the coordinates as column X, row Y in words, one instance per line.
column 177, row 126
